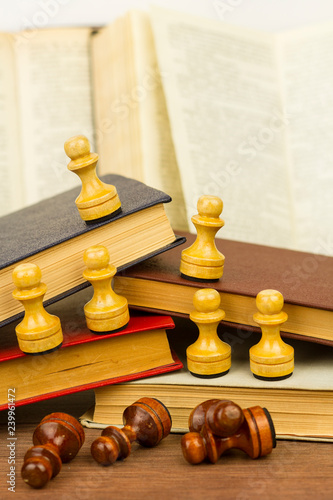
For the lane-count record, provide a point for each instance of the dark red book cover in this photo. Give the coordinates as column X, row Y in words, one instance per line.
column 76, row 333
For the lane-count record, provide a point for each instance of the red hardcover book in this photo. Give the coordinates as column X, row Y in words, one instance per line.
column 85, row 360
column 304, row 279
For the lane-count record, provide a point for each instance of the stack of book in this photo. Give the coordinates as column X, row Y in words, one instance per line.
column 209, row 108
column 192, row 107
column 302, row 405
column 52, row 235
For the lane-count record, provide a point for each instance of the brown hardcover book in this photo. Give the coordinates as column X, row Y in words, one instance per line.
column 305, row 280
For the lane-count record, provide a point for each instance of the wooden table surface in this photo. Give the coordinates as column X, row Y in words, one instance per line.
column 294, row 470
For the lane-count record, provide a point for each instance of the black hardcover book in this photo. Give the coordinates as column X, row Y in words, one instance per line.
column 52, row 234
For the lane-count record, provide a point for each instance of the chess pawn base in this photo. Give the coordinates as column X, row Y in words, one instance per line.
column 272, row 379
column 40, row 346
column 199, row 269
column 106, row 217
column 34, row 353
column 108, row 206
column 40, row 342
column 208, row 369
column 99, row 322
column 215, row 374
column 278, row 371
column 198, row 280
column 276, row 367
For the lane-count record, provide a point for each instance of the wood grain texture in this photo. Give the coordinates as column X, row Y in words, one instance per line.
column 294, row 470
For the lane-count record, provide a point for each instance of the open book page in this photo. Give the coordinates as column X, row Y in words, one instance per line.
column 132, row 128
column 307, row 64
column 53, row 68
column 11, row 194
column 228, row 123
column 160, row 167
column 115, row 108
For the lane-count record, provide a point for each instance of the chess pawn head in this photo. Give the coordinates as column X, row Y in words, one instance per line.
column 271, row 358
column 216, row 426
column 202, row 261
column 57, row 439
column 222, row 416
column 208, row 357
column 106, row 311
column 39, row 332
column 97, row 200
column 147, row 421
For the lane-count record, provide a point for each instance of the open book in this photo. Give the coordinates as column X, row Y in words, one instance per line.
column 237, row 113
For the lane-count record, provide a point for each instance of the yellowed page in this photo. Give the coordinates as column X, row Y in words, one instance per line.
column 55, row 104
column 132, row 127
column 117, row 125
column 11, row 194
column 228, row 124
column 160, row 167
column 308, row 92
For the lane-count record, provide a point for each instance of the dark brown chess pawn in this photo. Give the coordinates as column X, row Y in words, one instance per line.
column 57, row 439
column 216, row 426
column 147, row 421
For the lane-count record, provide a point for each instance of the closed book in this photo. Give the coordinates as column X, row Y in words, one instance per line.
column 301, row 406
column 52, row 235
column 305, row 280
column 85, row 360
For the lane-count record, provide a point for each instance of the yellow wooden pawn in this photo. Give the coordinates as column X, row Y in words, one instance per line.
column 39, row 332
column 208, row 356
column 202, row 261
column 271, row 358
column 97, row 200
column 106, row 311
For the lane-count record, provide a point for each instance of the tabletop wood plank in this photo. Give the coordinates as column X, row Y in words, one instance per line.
column 295, row 470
